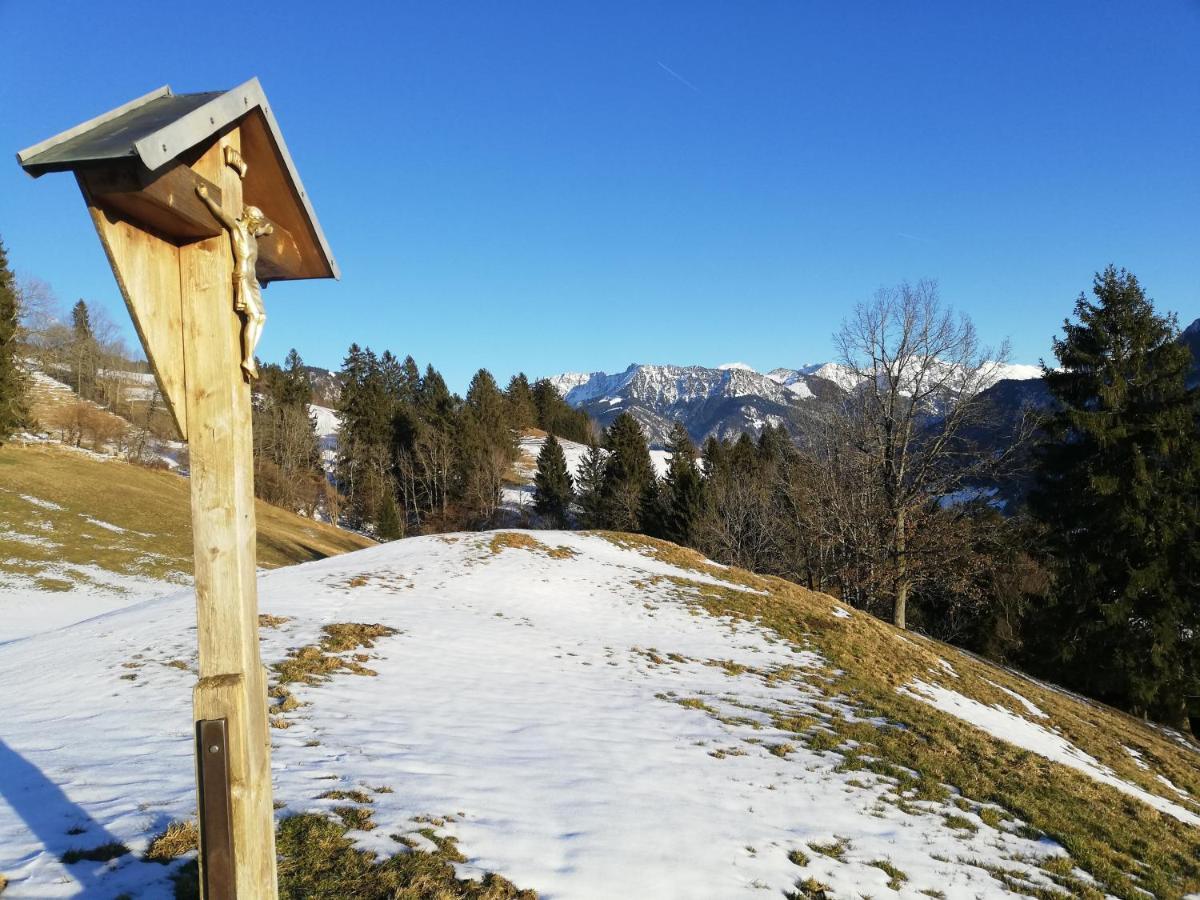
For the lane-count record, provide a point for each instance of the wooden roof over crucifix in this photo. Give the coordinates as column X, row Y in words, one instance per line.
column 142, row 150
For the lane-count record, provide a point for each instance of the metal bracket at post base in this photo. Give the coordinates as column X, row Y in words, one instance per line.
column 217, row 880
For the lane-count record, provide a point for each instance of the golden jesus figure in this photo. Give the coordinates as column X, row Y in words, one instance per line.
column 244, row 232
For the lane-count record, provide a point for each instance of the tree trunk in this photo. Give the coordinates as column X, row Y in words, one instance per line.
column 900, row 609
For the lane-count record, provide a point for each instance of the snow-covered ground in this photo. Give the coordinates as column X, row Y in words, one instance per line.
column 592, row 732
column 326, row 420
column 327, row 423
column 26, row 610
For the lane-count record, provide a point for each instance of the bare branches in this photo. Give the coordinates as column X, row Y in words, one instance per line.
column 920, row 372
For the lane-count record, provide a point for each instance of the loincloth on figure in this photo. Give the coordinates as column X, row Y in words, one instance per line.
column 246, row 297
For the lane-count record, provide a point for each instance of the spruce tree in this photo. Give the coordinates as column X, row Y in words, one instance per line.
column 590, row 488
column 522, row 412
column 296, row 389
column 392, row 374
column 628, row 472
column 652, row 509
column 389, row 527
column 488, row 407
column 716, row 456
column 365, row 434
column 84, row 352
column 410, row 376
column 13, row 408
column 557, row 416
column 485, row 447
column 1119, row 493
column 683, row 489
column 81, row 320
column 553, row 486
column 434, row 399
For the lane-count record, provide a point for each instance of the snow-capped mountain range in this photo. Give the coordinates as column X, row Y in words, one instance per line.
column 723, row 401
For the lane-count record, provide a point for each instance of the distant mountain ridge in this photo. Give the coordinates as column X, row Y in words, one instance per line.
column 723, row 401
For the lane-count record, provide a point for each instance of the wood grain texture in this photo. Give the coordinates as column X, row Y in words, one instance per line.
column 147, row 271
column 268, row 187
column 164, row 201
column 223, row 529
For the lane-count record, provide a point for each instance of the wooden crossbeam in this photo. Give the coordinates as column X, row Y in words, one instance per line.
column 165, row 202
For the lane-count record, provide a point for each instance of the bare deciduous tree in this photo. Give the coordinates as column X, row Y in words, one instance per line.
column 919, row 371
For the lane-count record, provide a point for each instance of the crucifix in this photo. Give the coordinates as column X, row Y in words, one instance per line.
column 244, row 232
column 196, row 202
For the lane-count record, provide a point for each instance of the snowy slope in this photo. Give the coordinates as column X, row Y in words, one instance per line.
column 326, row 419
column 327, row 422
column 589, row 728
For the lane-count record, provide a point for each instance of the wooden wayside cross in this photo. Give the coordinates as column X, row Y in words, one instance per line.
column 196, row 202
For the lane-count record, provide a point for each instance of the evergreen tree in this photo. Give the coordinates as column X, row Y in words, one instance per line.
column 487, row 406
column 683, row 489
column 410, row 376
column 556, row 416
column 84, row 352
column 485, row 447
column 434, row 399
column 13, row 409
column 652, row 508
column 590, row 488
column 424, row 444
column 1119, row 492
column 296, row 389
column 81, row 321
column 627, row 473
column 364, row 437
column 553, row 487
column 774, row 445
column 522, row 412
column 391, row 373
column 389, row 527
column 716, row 457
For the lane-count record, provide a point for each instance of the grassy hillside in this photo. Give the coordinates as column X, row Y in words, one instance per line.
column 68, row 518
column 1128, row 847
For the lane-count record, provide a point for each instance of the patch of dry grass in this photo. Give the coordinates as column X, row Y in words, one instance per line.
column 355, row 817
column 356, row 796
column 517, row 540
column 151, row 507
column 178, row 838
column 315, row 663
column 318, row 860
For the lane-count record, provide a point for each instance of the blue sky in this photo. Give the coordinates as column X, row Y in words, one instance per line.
column 569, row 186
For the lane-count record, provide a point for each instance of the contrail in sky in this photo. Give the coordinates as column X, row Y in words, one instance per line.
column 677, row 76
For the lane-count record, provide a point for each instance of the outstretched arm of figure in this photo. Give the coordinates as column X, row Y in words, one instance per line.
column 221, row 216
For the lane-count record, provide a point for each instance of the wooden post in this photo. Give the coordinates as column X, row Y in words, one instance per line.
column 232, row 683
column 165, row 196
